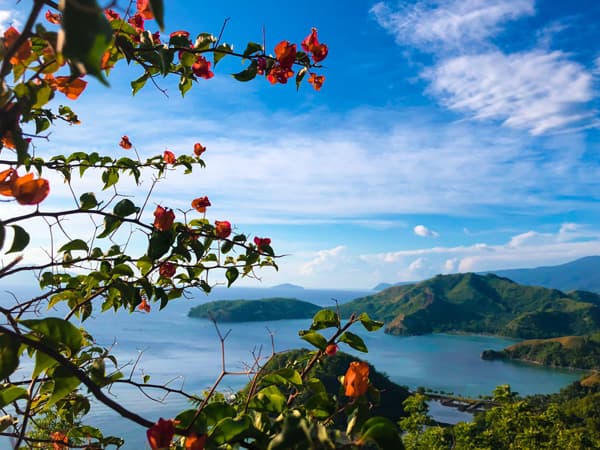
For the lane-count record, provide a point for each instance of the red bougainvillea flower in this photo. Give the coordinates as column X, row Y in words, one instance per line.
column 125, row 142
column 144, row 305
column 199, row 149
column 137, row 22
column 28, row 191
column 261, row 65
column 222, row 229
column 163, row 218
column 312, row 45
column 145, row 10
column 61, row 437
column 285, row 53
column 111, row 14
column 169, row 157
column 279, row 74
column 10, row 37
column 201, row 68
column 195, row 442
column 167, row 269
column 316, row 80
column 180, row 33
column 200, row 204
column 161, row 434
column 262, row 243
column 55, row 18
column 356, row 380
column 331, row 349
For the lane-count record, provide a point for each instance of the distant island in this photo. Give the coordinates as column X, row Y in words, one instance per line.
column 287, row 286
column 489, row 304
column 255, row 310
column 577, row 352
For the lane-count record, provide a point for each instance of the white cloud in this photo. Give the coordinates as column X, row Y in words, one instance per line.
column 325, row 259
column 450, row 23
column 423, row 231
column 8, row 18
column 416, row 265
column 450, row 265
column 535, row 90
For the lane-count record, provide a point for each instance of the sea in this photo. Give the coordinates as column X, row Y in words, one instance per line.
column 186, row 353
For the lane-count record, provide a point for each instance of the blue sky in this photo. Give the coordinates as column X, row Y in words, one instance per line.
column 449, row 136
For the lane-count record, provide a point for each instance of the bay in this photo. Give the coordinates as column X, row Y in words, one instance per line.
column 186, row 353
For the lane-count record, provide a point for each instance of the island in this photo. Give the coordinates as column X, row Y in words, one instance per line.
column 275, row 308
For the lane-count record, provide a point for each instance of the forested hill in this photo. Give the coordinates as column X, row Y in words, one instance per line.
column 255, row 310
column 481, row 304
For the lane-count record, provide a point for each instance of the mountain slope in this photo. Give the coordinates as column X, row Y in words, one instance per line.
column 480, row 304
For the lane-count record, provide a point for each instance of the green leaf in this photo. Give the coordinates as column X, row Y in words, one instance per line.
column 247, row 74
column 381, row 430
column 269, row 399
column 231, row 275
column 299, row 76
column 111, row 224
column 313, row 338
column 87, row 35
column 42, row 362
column 9, row 355
column 325, row 318
column 20, row 240
column 10, row 394
column 226, row 247
column 59, row 331
column 139, row 83
column 221, row 51
column 110, row 177
column 76, row 244
column 229, row 429
column 87, row 201
column 354, row 341
column 368, row 323
column 216, row 411
column 185, row 84
column 283, row 376
column 64, row 384
column 159, row 11
column 159, row 244
column 125, row 208
column 251, row 48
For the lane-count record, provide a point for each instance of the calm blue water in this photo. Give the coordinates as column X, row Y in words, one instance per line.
column 186, row 352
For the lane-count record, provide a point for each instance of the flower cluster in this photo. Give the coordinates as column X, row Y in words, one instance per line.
column 26, row 190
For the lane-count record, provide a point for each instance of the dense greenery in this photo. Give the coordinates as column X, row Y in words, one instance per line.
column 255, row 310
column 481, row 304
column 567, row 420
column 582, row 352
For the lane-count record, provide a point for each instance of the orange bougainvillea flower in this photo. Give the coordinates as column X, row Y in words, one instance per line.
column 180, row 33
column 167, row 269
column 7, row 179
column 144, row 305
column 200, row 204
column 72, row 88
column 163, row 218
column 10, row 37
column 169, row 157
column 61, row 437
column 201, row 68
column 285, row 53
column 111, row 14
column 7, row 140
column 145, row 10
column 28, row 191
column 55, row 18
column 195, row 442
column 222, row 229
column 312, row 45
column 125, row 142
column 279, row 74
column 199, row 149
column 262, row 243
column 316, row 80
column 356, row 380
column 161, row 434
column 331, row 350
column 137, row 22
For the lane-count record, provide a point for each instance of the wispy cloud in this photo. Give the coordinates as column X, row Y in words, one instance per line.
column 324, row 260
column 8, row 17
column 423, row 231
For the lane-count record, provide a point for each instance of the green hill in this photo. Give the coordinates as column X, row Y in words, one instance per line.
column 581, row 352
column 475, row 303
column 255, row 310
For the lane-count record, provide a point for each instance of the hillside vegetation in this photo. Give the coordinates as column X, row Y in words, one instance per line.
column 487, row 304
column 255, row 310
column 582, row 352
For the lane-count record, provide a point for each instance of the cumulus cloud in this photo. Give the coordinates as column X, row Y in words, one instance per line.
column 450, row 22
column 324, row 259
column 535, row 90
column 423, row 231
